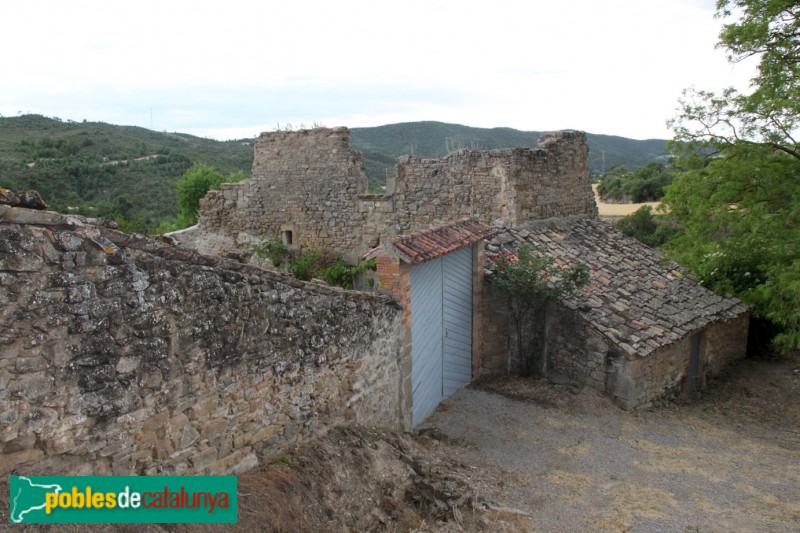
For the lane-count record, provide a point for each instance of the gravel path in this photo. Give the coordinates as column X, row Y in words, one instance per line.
column 577, row 463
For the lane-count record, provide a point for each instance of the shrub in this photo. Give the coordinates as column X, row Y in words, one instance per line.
column 528, row 279
column 341, row 274
column 646, row 228
column 645, row 184
column 330, row 268
column 305, row 266
column 196, row 182
column 273, row 249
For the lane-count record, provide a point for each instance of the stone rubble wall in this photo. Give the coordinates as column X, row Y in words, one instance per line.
column 663, row 373
column 122, row 355
column 306, row 182
column 577, row 352
column 580, row 355
column 518, row 184
column 310, row 182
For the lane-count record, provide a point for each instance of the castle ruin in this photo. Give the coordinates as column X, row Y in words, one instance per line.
column 308, row 187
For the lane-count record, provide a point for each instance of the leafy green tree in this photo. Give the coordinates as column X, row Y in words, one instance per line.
column 529, row 279
column 645, row 184
column 737, row 198
column 645, row 227
column 768, row 30
column 740, row 231
column 197, row 181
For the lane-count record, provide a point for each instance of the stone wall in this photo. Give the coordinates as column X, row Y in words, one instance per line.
column 498, row 343
column 123, row 355
column 517, row 184
column 663, row 373
column 310, row 184
column 580, row 355
column 576, row 351
column 305, row 183
column 721, row 343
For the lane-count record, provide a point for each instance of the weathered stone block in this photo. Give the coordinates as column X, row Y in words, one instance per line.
column 19, row 462
column 203, row 459
column 30, row 364
column 31, row 386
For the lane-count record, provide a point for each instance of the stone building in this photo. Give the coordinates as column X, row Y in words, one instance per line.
column 642, row 329
column 308, row 187
column 645, row 329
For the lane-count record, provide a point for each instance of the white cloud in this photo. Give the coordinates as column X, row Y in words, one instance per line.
column 613, row 66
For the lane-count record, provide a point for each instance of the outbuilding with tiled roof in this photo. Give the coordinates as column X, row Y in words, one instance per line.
column 642, row 329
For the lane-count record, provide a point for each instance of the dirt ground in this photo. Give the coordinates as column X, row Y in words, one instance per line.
column 727, row 459
column 517, row 454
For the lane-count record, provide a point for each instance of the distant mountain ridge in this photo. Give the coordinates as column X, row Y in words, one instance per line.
column 382, row 145
column 130, row 173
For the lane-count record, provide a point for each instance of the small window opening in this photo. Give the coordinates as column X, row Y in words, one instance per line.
column 287, row 237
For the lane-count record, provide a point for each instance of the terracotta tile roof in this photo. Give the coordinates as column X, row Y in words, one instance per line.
column 432, row 242
column 637, row 298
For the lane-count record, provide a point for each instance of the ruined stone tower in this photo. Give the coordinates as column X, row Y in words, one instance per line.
column 308, row 187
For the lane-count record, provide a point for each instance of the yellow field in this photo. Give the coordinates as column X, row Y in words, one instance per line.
column 617, row 210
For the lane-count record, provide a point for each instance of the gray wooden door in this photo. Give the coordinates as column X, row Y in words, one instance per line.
column 426, row 338
column 457, row 319
column 441, row 329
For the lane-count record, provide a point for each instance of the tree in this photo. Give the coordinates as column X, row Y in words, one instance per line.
column 740, row 220
column 768, row 30
column 529, row 279
column 648, row 229
column 197, row 181
column 645, row 184
column 737, row 197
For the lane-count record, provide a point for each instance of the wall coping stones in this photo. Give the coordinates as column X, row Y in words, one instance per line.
column 117, row 241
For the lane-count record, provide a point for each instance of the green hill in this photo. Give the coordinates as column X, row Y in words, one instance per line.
column 130, row 173
column 97, row 169
column 382, row 145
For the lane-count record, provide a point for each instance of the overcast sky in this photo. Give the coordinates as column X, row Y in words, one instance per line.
column 234, row 69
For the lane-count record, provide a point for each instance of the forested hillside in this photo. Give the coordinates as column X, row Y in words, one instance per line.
column 121, row 172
